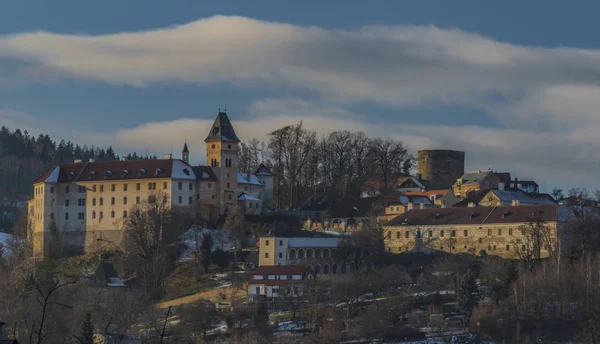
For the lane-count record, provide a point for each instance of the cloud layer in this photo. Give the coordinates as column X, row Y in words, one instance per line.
column 545, row 99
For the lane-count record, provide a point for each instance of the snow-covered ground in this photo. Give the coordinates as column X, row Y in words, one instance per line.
column 4, row 237
column 194, row 236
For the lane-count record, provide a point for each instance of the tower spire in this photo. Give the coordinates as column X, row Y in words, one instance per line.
column 185, row 153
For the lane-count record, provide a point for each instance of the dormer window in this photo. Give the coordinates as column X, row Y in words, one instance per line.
column 141, row 172
column 215, row 130
column 108, row 173
column 186, row 171
column 92, row 174
column 124, row 173
column 506, row 214
column 158, row 171
column 71, row 175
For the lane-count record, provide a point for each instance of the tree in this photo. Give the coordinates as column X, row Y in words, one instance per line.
column 87, row 331
column 235, row 224
column 557, row 194
column 388, row 156
column 206, row 251
column 467, row 294
column 220, row 258
column 201, row 314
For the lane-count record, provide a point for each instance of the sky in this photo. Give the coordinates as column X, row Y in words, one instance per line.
column 515, row 84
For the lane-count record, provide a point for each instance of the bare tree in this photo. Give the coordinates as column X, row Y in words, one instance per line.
column 389, row 156
column 201, row 314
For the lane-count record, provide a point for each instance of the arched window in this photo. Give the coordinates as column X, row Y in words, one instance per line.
column 300, row 254
column 326, row 253
column 309, row 253
column 326, row 269
column 317, row 253
column 317, row 269
column 352, row 267
column 292, row 254
column 334, row 269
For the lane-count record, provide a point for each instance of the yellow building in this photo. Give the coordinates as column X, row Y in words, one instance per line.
column 82, row 202
column 497, row 230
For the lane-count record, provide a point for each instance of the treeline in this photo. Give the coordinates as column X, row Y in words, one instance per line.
column 309, row 168
column 24, row 157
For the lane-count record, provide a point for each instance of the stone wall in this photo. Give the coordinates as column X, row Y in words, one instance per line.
column 439, row 169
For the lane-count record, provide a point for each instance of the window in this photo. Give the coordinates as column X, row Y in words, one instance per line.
column 280, row 242
column 266, row 242
column 81, row 189
column 267, row 255
column 280, row 255
column 230, row 197
column 52, row 189
column 94, row 214
column 112, row 214
column 453, row 233
column 101, row 201
column 466, row 232
column 180, row 185
column 489, row 232
column 66, row 216
column 191, row 186
column 191, row 200
column 112, row 201
column 66, row 203
column 489, row 247
column 398, row 235
column 407, row 234
column 480, row 240
column 81, row 216
column 209, row 186
column 151, row 199
column 124, row 213
column 499, row 231
column 94, row 188
column 510, row 231
column 430, row 234
column 101, row 215
column 441, row 233
column 213, row 197
column 164, row 185
column 228, row 185
column 67, row 189
column 93, row 201
column 137, row 200
column 508, row 247
column 101, row 188
column 113, row 187
column 179, row 199
column 124, row 200
column 137, row 186
column 151, row 186
column 124, row 187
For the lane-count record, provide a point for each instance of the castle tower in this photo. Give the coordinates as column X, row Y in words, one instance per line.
column 185, row 154
column 439, row 169
column 221, row 155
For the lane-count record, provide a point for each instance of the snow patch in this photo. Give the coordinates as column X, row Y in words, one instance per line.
column 4, row 238
column 194, row 236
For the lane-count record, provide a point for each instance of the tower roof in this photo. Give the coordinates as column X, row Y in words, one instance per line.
column 222, row 130
column 185, row 148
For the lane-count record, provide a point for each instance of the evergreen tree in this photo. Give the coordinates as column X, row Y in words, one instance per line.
column 467, row 294
column 206, row 250
column 87, row 331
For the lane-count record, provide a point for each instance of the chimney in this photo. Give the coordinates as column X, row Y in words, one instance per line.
column 501, row 186
column 168, row 156
column 92, row 160
column 78, row 161
column 471, row 204
column 410, row 205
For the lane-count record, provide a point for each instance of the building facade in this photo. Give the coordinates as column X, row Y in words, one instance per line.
column 78, row 204
column 439, row 169
column 277, row 281
column 495, row 230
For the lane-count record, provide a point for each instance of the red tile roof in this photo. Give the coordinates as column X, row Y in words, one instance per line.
column 475, row 215
column 427, row 194
column 281, row 270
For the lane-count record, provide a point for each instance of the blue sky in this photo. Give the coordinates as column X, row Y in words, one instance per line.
column 513, row 83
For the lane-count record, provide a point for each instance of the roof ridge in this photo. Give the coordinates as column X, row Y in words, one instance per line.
column 81, row 171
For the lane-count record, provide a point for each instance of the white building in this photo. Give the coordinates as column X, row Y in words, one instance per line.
column 275, row 281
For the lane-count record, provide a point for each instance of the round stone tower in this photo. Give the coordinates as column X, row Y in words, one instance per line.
column 439, row 169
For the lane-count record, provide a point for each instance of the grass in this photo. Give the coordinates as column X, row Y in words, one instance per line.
column 182, row 282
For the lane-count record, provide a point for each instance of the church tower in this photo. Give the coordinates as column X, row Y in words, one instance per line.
column 221, row 155
column 185, row 154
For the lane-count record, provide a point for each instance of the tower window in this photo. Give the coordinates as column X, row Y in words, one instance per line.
column 180, row 185
column 191, row 187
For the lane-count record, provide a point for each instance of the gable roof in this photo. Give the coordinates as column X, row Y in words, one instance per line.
column 523, row 198
column 247, row 197
column 504, row 177
column 185, row 148
column 474, row 177
column 205, row 173
column 248, row 178
column 222, row 130
column 262, row 170
column 475, row 215
column 118, row 170
column 281, row 270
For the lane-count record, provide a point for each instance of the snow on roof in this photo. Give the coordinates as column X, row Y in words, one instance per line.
column 246, row 197
column 115, row 282
column 313, row 242
column 181, row 170
column 53, row 177
column 248, row 178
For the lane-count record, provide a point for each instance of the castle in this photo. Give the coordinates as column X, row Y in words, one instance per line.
column 81, row 203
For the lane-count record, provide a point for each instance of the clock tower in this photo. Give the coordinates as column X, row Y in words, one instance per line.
column 221, row 155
